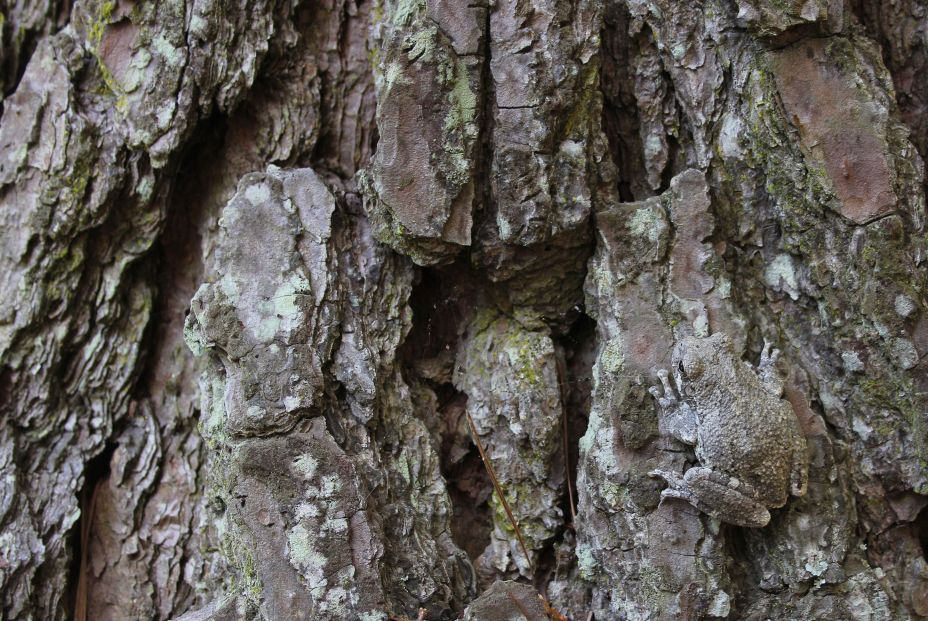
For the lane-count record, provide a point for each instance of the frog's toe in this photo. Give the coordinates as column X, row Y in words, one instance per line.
column 676, row 487
column 665, row 395
column 672, row 492
column 672, row 478
column 725, row 498
column 665, row 381
column 769, row 355
column 665, row 401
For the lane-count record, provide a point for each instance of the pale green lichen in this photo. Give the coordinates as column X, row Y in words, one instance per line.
column 165, row 114
column 135, row 71
column 145, row 188
column 720, row 606
column 851, row 361
column 586, row 561
column 904, row 305
column 903, row 352
column 331, row 485
column 612, row 357
column 257, row 194
column 282, row 313
column 646, row 223
column 781, row 275
column 598, row 444
column 462, row 100
column 403, row 12
column 303, row 555
column 172, row 55
column 306, row 464
column 421, row 45
column 393, row 74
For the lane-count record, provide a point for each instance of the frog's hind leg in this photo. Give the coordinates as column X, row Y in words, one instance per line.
column 716, row 494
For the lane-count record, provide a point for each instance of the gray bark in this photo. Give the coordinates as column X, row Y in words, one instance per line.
column 267, row 266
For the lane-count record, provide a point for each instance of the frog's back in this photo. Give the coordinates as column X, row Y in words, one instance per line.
column 749, row 436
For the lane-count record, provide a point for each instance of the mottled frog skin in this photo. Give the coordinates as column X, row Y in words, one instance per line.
column 751, row 451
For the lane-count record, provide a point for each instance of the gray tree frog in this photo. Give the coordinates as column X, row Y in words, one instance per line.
column 747, row 439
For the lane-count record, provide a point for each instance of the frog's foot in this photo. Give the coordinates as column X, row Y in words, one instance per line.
column 679, row 419
column 767, row 368
column 667, row 398
column 716, row 494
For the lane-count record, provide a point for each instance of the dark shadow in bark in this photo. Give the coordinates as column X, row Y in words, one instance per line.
column 467, row 480
column 903, row 39
column 921, row 530
column 443, row 301
column 96, row 474
column 176, row 259
column 620, row 110
column 577, row 351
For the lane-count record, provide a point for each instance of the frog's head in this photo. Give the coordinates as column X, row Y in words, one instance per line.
column 701, row 361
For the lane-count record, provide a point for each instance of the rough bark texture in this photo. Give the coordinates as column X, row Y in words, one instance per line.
column 269, row 268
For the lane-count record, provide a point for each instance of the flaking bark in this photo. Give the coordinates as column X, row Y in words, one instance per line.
column 264, row 261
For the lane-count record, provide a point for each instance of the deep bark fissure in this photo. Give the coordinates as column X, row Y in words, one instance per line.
column 555, row 199
column 96, row 472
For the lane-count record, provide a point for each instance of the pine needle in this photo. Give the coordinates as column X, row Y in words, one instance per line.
column 498, row 489
column 522, row 610
column 87, row 515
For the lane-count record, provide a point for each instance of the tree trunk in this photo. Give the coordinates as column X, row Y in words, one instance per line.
column 274, row 276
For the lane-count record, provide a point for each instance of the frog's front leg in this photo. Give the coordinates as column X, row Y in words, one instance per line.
column 766, row 369
column 716, row 494
column 677, row 418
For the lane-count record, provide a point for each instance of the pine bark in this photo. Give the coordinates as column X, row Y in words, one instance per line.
column 269, row 268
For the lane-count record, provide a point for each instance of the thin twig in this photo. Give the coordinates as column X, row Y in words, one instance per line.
column 498, row 488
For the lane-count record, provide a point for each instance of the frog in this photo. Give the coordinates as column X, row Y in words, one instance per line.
column 751, row 452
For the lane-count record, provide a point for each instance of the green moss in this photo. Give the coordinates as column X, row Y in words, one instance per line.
column 103, row 17
column 95, row 31
column 377, row 13
column 526, row 355
column 586, row 109
column 241, row 554
column 653, row 586
column 801, row 192
column 80, row 175
column 252, row 583
column 896, row 393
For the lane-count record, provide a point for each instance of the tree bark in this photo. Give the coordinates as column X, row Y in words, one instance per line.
column 271, row 269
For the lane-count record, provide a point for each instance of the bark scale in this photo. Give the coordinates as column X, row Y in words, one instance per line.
column 264, row 263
